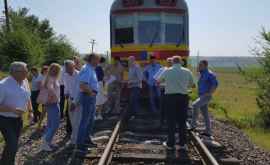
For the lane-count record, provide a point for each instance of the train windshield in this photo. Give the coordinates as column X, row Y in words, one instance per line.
column 124, row 29
column 174, row 29
column 149, row 28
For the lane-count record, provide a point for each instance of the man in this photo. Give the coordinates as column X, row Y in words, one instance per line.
column 77, row 63
column 154, row 90
column 88, row 91
column 62, row 92
column 178, row 80
column 162, row 90
column 115, row 71
column 14, row 101
column 207, row 85
column 73, row 115
column 135, row 77
column 36, row 85
column 101, row 98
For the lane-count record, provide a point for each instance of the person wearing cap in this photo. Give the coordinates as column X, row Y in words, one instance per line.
column 14, row 102
column 178, row 80
column 154, row 91
column 135, row 77
column 88, row 83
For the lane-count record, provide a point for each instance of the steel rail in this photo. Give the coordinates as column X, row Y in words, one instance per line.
column 106, row 157
column 207, row 157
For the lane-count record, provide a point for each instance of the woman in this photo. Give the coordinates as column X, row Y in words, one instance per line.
column 44, row 72
column 51, row 84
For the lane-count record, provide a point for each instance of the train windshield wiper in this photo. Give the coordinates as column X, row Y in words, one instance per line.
column 154, row 37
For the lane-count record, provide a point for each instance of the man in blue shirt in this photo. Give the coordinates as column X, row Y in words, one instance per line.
column 154, row 91
column 207, row 85
column 87, row 99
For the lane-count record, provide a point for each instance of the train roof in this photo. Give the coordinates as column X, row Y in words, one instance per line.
column 123, row 6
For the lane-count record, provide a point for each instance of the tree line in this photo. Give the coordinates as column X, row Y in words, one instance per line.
column 32, row 40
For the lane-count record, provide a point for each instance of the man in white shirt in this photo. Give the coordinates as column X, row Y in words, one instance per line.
column 14, row 101
column 70, row 79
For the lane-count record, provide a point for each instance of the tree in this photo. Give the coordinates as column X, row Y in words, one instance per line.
column 31, row 40
column 263, row 81
column 58, row 50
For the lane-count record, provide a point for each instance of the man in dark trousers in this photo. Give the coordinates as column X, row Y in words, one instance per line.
column 178, row 81
column 14, row 102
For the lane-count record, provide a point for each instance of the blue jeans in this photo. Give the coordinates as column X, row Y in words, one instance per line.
column 88, row 105
column 154, row 93
column 202, row 104
column 134, row 100
column 53, row 121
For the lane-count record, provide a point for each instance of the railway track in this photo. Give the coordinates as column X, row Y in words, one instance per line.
column 139, row 141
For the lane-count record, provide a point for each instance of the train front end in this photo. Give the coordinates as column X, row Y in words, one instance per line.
column 143, row 28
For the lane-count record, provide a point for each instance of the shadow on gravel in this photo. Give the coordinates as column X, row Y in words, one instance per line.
column 61, row 156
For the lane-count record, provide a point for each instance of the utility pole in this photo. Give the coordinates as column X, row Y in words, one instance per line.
column 92, row 42
column 7, row 15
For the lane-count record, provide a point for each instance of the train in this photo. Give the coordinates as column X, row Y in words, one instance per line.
column 144, row 28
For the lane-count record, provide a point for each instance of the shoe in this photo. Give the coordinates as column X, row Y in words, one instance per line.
column 90, row 144
column 54, row 146
column 46, row 147
column 168, row 147
column 132, row 118
column 192, row 129
column 99, row 117
column 206, row 134
column 80, row 150
column 183, row 148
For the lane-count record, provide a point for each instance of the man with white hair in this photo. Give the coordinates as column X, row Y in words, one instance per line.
column 178, row 81
column 14, row 101
column 135, row 77
column 71, row 84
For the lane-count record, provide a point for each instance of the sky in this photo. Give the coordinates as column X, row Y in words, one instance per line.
column 217, row 27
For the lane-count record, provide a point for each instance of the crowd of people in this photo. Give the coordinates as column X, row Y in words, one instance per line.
column 81, row 93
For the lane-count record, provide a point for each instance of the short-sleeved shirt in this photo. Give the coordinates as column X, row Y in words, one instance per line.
column 71, row 84
column 88, row 76
column 158, row 74
column 35, row 82
column 135, row 76
column 207, row 81
column 178, row 80
column 149, row 73
column 14, row 95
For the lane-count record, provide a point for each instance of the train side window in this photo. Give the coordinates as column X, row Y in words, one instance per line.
column 124, row 29
column 124, row 36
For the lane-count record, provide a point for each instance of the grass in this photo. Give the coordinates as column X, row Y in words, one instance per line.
column 235, row 100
